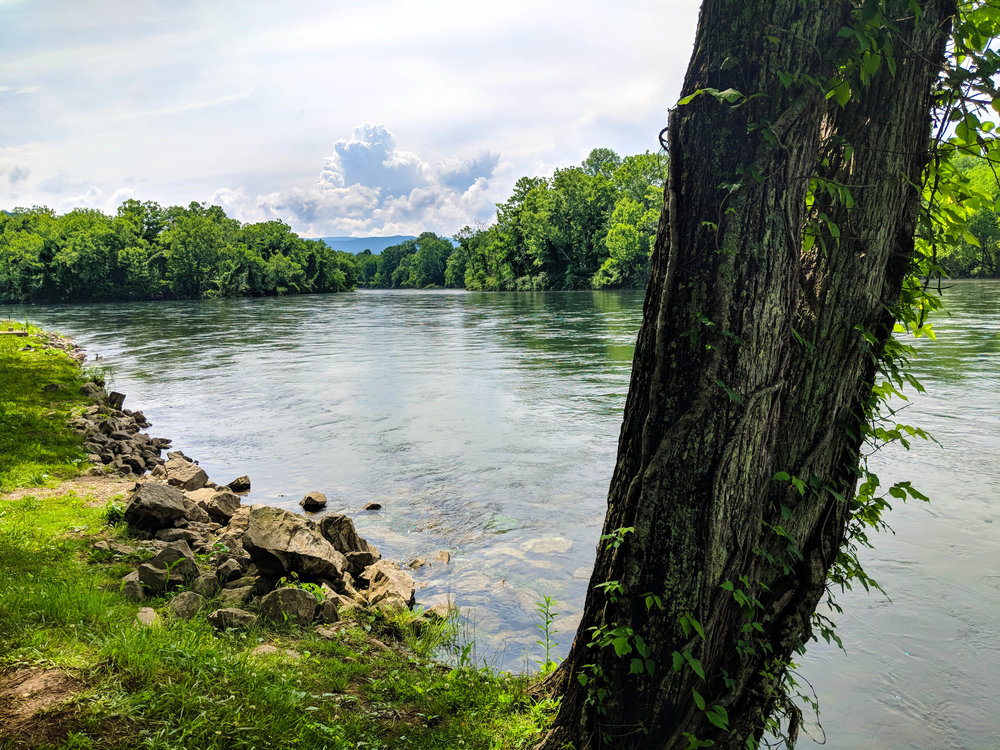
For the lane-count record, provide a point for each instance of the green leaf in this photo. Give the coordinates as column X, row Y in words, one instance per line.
column 698, row 700
column 782, row 476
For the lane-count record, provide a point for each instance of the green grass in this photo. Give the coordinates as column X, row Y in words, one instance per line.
column 35, row 445
column 183, row 685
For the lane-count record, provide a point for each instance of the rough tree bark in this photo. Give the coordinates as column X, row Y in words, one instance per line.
column 751, row 361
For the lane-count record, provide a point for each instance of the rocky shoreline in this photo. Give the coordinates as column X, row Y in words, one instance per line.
column 200, row 539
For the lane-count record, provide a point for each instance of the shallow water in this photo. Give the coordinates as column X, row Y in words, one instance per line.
column 487, row 425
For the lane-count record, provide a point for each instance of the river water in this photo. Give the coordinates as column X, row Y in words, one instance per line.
column 486, row 425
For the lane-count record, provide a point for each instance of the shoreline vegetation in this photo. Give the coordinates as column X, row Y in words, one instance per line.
column 590, row 226
column 165, row 613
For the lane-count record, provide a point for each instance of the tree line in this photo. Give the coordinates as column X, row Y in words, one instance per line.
column 587, row 226
column 146, row 251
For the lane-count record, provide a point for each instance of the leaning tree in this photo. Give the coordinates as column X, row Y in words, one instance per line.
column 798, row 159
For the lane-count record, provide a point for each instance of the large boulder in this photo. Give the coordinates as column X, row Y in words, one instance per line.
column 154, row 506
column 185, row 474
column 219, row 504
column 389, row 586
column 289, row 604
column 340, row 532
column 281, row 543
column 231, row 617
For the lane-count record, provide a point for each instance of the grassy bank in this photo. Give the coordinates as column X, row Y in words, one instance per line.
column 77, row 669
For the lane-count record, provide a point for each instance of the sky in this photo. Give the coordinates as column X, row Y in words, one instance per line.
column 339, row 117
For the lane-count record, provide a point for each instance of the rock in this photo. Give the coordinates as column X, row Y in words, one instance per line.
column 417, row 562
column 224, row 619
column 153, row 579
column 184, row 474
column 330, row 634
column 240, row 484
column 389, row 585
column 328, row 611
column 158, row 471
column 358, row 561
column 280, row 543
column 441, row 611
column 207, row 585
column 266, row 649
column 147, row 617
column 131, row 587
column 116, row 399
column 236, row 597
column 155, row 506
column 178, row 559
column 340, row 532
column 193, row 512
column 221, row 505
column 289, row 604
column 121, row 549
column 229, row 570
column 313, row 501
column 186, row 604
column 93, row 391
column 135, row 464
column 194, row 539
column 372, row 506
column 444, row 556
column 53, row 387
column 93, row 471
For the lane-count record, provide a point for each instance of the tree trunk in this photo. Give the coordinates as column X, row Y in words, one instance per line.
column 757, row 355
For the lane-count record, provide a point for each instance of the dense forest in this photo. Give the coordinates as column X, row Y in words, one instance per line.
column 588, row 226
column 146, row 251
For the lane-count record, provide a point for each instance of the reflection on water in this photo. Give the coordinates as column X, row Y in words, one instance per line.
column 487, row 425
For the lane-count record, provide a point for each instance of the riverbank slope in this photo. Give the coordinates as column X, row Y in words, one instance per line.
column 79, row 669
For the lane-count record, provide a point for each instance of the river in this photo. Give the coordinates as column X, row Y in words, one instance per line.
column 486, row 425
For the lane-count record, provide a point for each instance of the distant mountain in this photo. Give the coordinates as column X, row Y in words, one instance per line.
column 358, row 244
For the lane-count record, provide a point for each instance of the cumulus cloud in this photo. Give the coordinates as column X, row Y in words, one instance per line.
column 368, row 185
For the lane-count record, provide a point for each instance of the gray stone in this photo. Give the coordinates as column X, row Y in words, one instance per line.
column 194, row 512
column 178, row 559
column 240, row 484
column 131, row 587
column 185, row 474
column 236, row 597
column 116, row 399
column 194, row 539
column 266, row 649
column 153, row 579
column 280, row 543
column 290, row 605
column 93, row 391
column 221, row 505
column 155, row 506
column 230, row 617
column 229, row 571
column 186, row 604
column 327, row 611
column 207, row 585
column 389, row 585
column 147, row 617
column 313, row 501
column 444, row 556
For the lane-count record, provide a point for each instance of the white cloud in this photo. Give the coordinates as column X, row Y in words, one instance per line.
column 369, row 185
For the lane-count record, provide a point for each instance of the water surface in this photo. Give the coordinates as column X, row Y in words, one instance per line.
column 487, row 425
